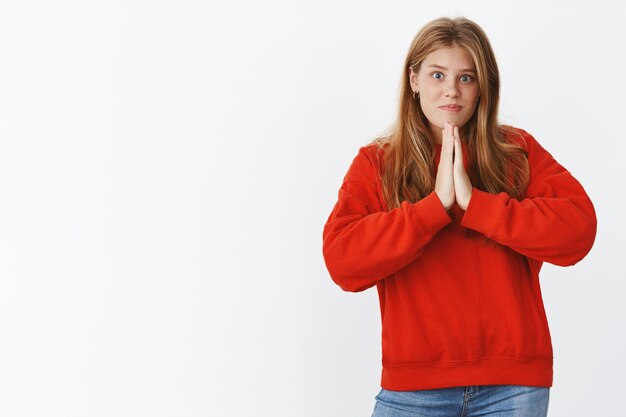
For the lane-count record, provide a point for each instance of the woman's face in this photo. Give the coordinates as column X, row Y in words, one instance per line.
column 447, row 77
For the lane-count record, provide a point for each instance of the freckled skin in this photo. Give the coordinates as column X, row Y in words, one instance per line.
column 438, row 87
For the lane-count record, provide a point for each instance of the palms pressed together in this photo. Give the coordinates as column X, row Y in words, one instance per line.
column 452, row 182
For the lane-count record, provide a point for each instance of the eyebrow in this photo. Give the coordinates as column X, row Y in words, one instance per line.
column 444, row 68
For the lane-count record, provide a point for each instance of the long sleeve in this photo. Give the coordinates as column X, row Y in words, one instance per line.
column 363, row 243
column 555, row 222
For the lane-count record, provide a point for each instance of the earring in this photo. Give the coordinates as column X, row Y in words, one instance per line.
column 418, row 95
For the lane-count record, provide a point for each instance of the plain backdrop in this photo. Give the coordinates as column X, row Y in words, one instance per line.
column 166, row 169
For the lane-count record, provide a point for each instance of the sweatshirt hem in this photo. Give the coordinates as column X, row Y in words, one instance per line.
column 486, row 371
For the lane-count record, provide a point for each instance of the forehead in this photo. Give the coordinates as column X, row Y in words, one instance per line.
column 453, row 58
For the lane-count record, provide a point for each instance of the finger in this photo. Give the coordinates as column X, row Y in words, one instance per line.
column 458, row 154
column 447, row 145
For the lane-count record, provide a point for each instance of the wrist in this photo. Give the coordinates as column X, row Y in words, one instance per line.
column 467, row 200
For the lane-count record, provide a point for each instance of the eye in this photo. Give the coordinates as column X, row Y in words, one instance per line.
column 435, row 75
column 466, row 78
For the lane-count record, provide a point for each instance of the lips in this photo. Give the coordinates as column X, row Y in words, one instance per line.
column 451, row 107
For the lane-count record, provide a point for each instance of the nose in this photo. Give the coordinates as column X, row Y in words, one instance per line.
column 450, row 89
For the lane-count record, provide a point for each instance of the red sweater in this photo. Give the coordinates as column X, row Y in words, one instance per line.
column 454, row 310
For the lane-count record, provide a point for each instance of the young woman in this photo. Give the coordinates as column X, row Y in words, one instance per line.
column 451, row 217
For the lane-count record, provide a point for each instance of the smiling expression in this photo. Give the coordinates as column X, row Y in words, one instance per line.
column 447, row 77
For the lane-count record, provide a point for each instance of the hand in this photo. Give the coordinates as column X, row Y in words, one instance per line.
column 452, row 182
column 444, row 182
column 462, row 184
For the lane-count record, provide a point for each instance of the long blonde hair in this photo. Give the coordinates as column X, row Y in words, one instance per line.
column 494, row 165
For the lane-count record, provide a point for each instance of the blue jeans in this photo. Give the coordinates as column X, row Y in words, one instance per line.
column 470, row 401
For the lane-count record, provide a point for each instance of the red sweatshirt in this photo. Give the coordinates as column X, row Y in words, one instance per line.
column 454, row 310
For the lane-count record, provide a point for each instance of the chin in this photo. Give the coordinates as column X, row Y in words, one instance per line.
column 456, row 123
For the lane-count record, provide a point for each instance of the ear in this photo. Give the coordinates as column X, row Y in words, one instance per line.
column 413, row 80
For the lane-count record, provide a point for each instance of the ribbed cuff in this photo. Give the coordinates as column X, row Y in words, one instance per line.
column 431, row 212
column 482, row 211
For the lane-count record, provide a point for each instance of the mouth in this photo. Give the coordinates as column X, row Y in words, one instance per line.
column 452, row 108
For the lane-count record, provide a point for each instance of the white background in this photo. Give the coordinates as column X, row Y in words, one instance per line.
column 166, row 168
